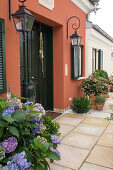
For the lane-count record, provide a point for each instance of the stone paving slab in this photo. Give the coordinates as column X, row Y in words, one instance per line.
column 101, row 155
column 96, row 121
column 76, row 116
column 65, row 129
column 99, row 114
column 89, row 129
column 87, row 166
column 109, row 129
column 69, row 120
column 58, row 167
column 80, row 140
column 72, row 157
column 106, row 140
column 111, row 122
column 107, row 108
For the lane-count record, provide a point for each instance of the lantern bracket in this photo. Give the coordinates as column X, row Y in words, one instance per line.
column 73, row 25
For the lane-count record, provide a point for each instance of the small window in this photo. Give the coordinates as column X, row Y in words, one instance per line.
column 76, row 62
column 97, row 59
column 2, row 58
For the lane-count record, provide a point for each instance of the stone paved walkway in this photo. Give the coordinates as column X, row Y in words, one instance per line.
column 87, row 143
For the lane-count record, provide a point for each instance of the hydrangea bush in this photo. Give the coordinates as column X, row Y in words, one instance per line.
column 25, row 140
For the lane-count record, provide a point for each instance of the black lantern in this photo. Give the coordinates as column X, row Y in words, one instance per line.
column 75, row 38
column 23, row 19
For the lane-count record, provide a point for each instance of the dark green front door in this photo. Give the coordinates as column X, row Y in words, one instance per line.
column 39, row 83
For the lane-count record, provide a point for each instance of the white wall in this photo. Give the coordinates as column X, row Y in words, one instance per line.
column 96, row 40
column 112, row 64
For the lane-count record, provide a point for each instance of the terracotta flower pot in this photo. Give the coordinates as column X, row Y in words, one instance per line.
column 92, row 98
column 105, row 95
column 99, row 106
column 111, row 88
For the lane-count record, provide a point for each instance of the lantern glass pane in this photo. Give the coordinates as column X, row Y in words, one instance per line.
column 79, row 40
column 19, row 23
column 74, row 41
column 29, row 22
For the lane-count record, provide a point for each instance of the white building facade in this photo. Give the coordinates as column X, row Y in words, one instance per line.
column 98, row 50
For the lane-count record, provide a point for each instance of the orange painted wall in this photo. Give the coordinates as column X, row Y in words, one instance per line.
column 12, row 49
column 64, row 87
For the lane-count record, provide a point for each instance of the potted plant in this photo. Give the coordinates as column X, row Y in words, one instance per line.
column 99, row 102
column 94, row 86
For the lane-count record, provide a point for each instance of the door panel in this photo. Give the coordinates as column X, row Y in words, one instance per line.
column 40, row 86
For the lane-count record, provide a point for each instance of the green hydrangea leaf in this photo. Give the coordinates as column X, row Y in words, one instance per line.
column 19, row 116
column 8, row 118
column 14, row 131
column 53, row 155
column 1, row 132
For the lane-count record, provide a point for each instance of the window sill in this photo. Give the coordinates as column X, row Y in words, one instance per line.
column 81, row 78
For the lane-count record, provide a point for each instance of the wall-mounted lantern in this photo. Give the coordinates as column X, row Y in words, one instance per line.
column 23, row 19
column 75, row 38
column 75, row 49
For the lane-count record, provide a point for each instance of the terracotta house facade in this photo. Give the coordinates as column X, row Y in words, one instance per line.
column 54, row 86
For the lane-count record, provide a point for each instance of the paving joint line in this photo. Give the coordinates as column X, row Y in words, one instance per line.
column 73, row 128
column 98, row 165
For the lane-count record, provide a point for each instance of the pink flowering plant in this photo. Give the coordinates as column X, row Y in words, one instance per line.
column 25, row 139
column 111, row 81
column 95, row 85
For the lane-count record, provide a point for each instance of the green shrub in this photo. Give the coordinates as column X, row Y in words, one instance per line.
column 81, row 105
column 51, row 127
column 101, row 73
column 100, row 99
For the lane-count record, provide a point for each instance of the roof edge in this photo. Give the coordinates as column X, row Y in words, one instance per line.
column 101, row 31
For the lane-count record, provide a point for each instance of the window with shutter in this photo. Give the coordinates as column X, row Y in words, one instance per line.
column 97, row 59
column 2, row 58
column 76, row 62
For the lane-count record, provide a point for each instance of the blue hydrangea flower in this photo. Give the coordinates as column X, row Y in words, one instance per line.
column 28, row 103
column 16, row 103
column 57, row 152
column 35, row 130
column 10, row 144
column 9, row 110
column 27, row 112
column 17, row 162
column 39, row 108
column 41, row 128
column 55, row 139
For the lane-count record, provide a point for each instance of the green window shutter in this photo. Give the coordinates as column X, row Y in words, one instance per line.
column 100, row 65
column 2, row 58
column 74, row 62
